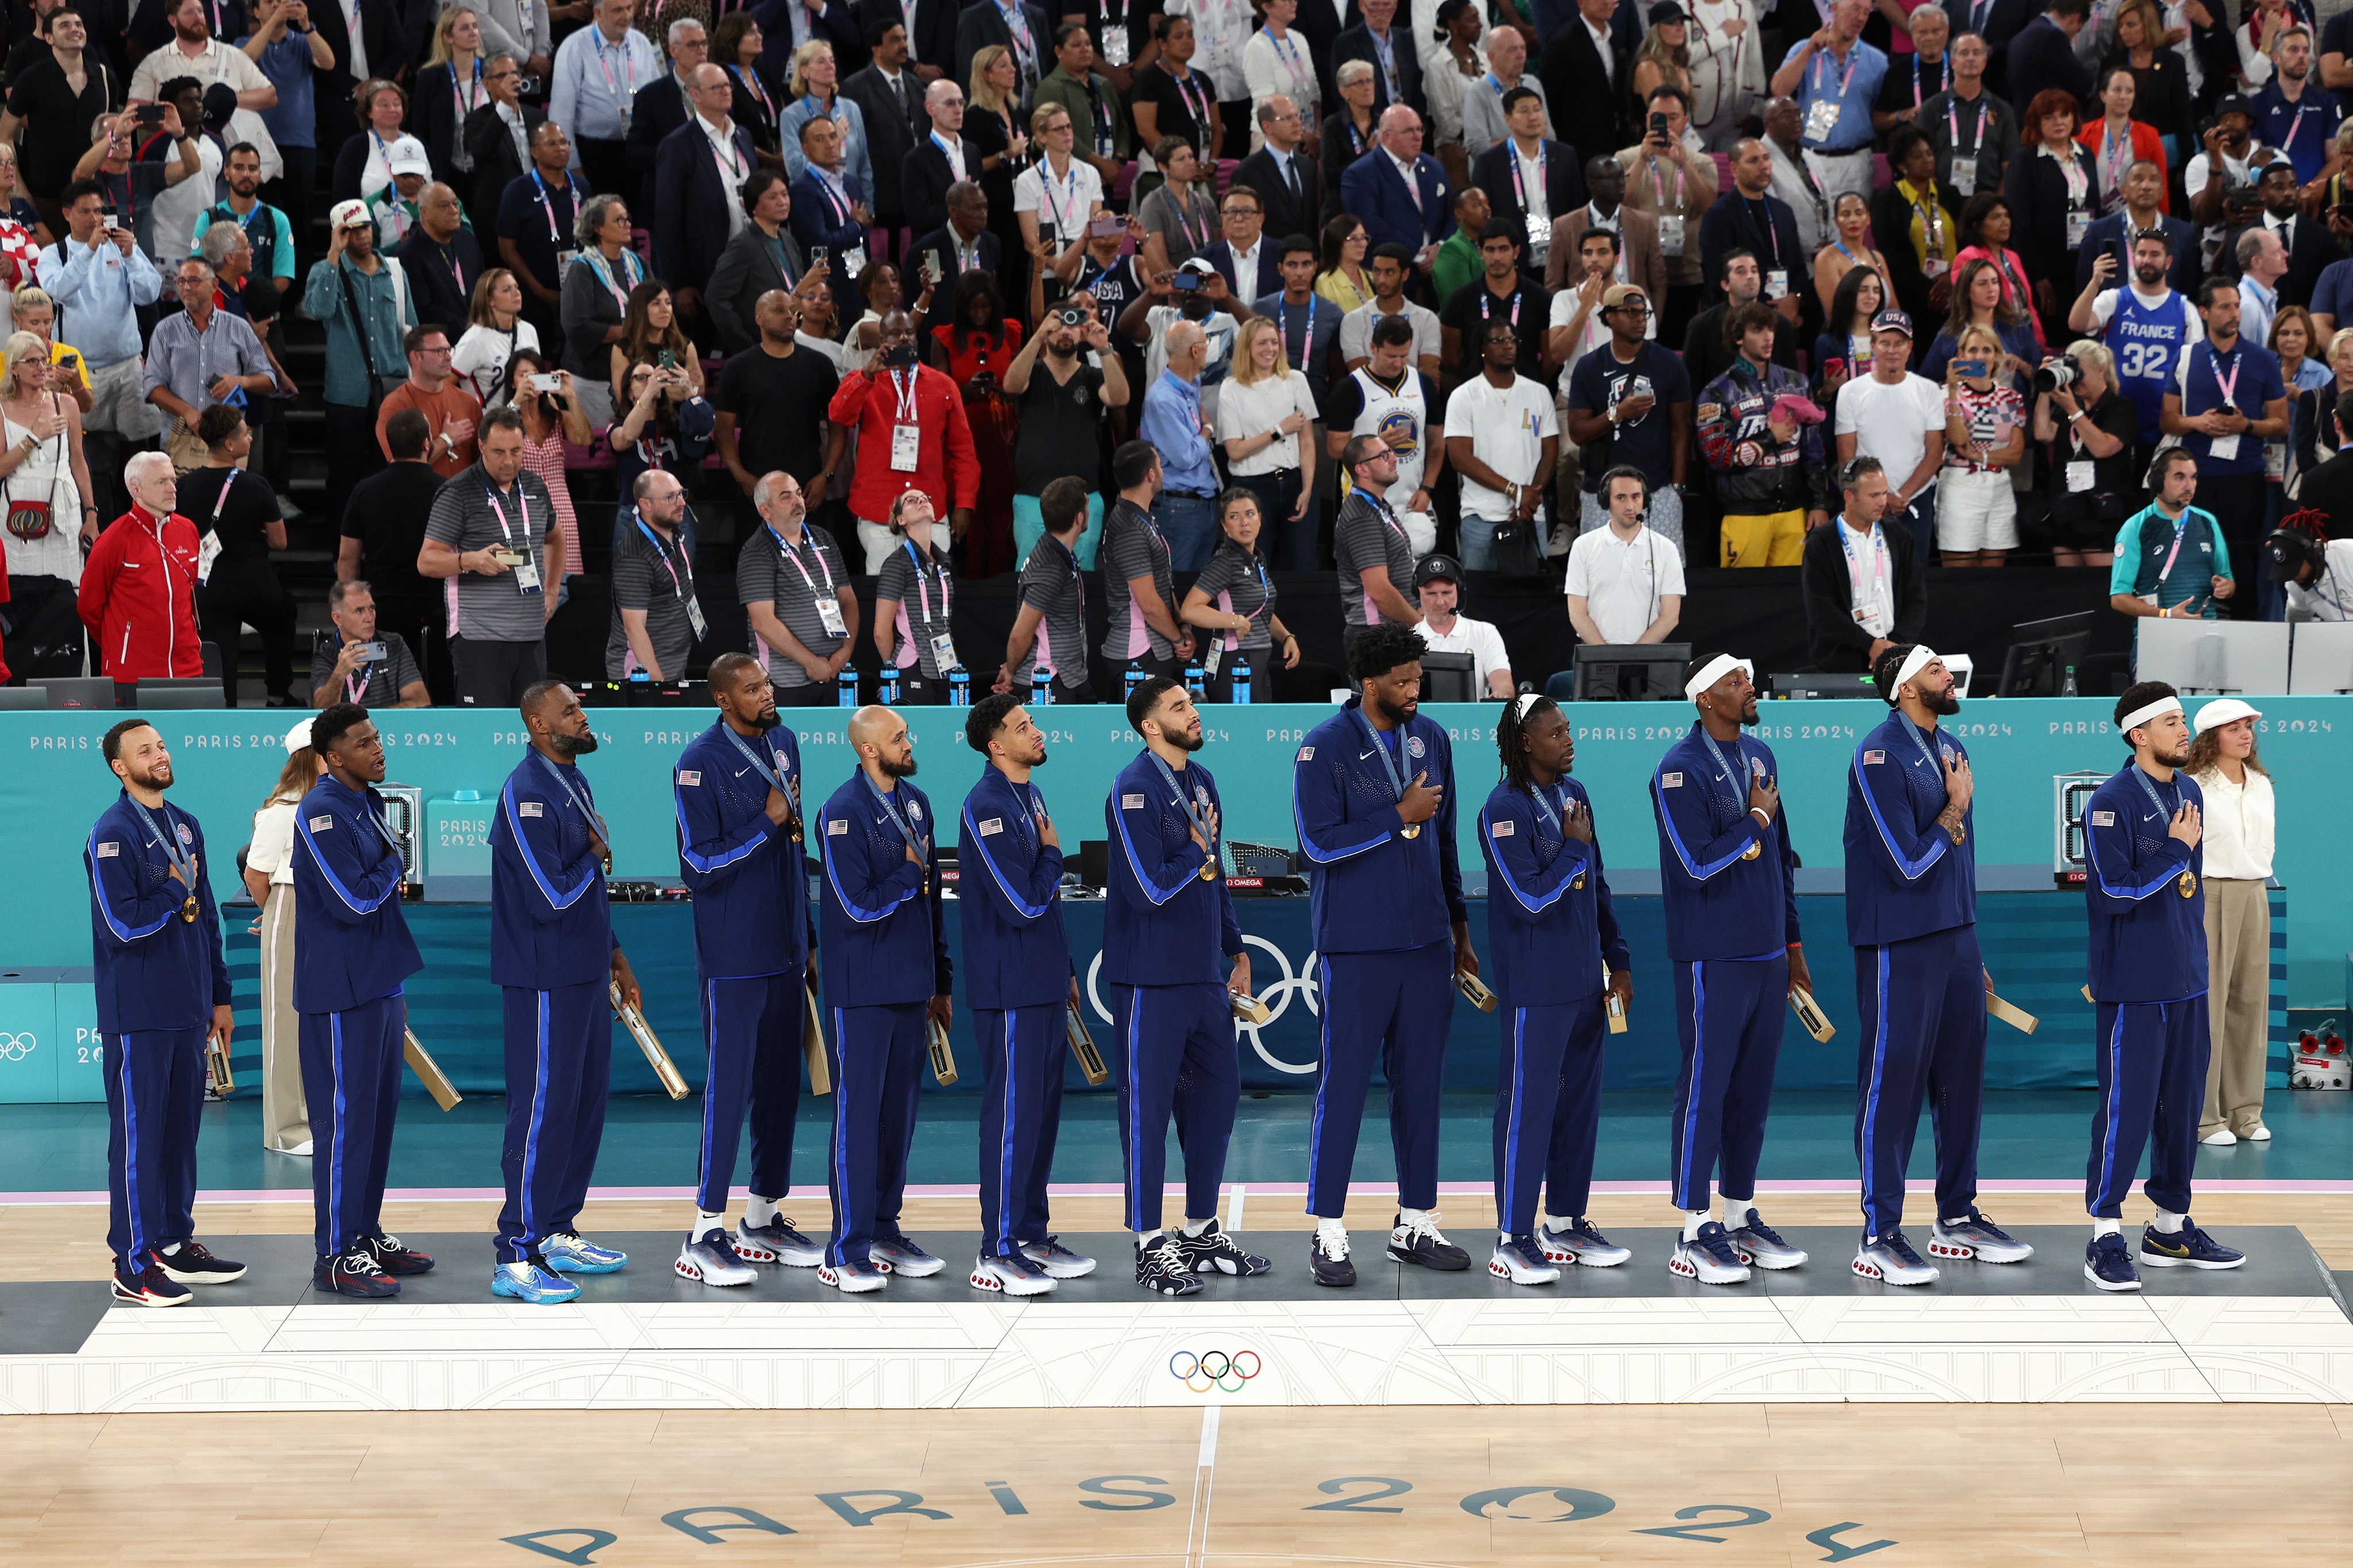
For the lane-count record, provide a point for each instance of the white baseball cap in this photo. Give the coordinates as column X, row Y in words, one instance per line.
column 299, row 735
column 349, row 214
column 406, row 156
column 2222, row 711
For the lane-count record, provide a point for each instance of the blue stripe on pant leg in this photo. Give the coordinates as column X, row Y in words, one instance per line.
column 531, row 1236
column 1315, row 1123
column 1684, row 1198
column 1135, row 1119
column 1511, row 1128
column 710, row 1098
column 837, row 1166
column 1871, row 1185
column 133, row 1205
column 1009, row 1209
column 336, row 1240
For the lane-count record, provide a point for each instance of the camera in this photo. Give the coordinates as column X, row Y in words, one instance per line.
column 1071, row 316
column 547, row 383
column 1186, row 282
column 2056, row 372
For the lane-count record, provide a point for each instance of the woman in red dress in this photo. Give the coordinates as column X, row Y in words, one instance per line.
column 972, row 347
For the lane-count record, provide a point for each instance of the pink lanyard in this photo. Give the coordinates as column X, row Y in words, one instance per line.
column 792, row 554
column 620, row 295
column 457, row 90
column 923, row 593
column 522, row 505
column 1543, row 180
column 628, row 72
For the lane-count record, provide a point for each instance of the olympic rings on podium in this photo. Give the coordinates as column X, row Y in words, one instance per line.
column 1216, row 1369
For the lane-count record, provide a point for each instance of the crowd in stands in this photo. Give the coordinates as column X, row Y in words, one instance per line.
column 1110, row 296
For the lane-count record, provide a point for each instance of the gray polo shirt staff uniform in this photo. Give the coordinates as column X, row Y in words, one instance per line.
column 656, row 575
column 1050, row 581
column 499, row 608
column 379, row 682
column 801, row 580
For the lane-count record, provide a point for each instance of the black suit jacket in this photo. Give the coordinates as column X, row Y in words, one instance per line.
column 1585, row 96
column 1833, row 637
column 925, row 177
column 497, row 165
column 890, row 131
column 2043, row 57
column 1731, row 224
column 1357, row 44
column 846, row 31
column 658, row 109
column 1564, row 183
column 2106, row 234
column 2004, row 20
column 691, row 199
column 1268, row 280
column 2307, row 259
column 934, row 42
column 990, row 253
column 980, row 26
column 747, row 269
column 380, row 30
column 1284, row 214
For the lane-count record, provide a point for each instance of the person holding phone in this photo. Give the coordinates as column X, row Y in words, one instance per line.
column 912, row 434
column 1985, row 437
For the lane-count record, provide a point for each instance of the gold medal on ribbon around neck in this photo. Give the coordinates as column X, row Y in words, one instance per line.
column 188, row 909
column 2188, row 884
column 1751, row 852
column 1577, row 883
column 1209, row 869
column 1411, row 830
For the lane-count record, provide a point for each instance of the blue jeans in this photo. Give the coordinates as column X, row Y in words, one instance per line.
column 1475, row 536
column 1189, row 523
column 1029, row 526
column 1281, row 542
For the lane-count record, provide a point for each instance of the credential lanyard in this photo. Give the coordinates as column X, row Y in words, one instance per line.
column 1388, row 762
column 763, row 762
column 578, row 794
column 1738, row 777
column 1193, row 813
column 678, row 589
column 891, row 809
column 184, row 859
column 2157, row 799
column 922, row 592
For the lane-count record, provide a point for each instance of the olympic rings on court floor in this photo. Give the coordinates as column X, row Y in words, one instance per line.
column 1216, row 1369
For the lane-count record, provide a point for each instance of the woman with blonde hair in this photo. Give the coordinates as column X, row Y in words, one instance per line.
column 2093, row 483
column 2238, row 821
column 47, row 486
column 269, row 879
column 495, row 333
column 1985, row 437
column 993, row 127
column 449, row 88
column 2160, row 78
column 32, row 310
column 816, row 89
column 1233, row 600
column 1663, row 60
column 1266, row 418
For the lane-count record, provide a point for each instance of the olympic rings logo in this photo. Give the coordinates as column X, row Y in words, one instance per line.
column 1276, row 984
column 16, row 1047
column 1228, row 1374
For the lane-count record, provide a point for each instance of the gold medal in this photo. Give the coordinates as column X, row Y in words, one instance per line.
column 1750, row 853
column 188, row 909
column 1209, row 869
column 2188, row 885
column 1411, row 830
column 1577, row 883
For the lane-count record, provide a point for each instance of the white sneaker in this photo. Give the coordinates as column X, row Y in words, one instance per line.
column 2220, row 1138
column 302, row 1151
column 2261, row 1134
column 1889, row 1258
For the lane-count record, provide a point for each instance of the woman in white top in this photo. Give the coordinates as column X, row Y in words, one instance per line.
column 497, row 334
column 1450, row 71
column 2238, row 844
column 1727, row 70
column 1058, row 195
column 45, row 479
column 1265, row 419
column 269, row 879
column 1276, row 62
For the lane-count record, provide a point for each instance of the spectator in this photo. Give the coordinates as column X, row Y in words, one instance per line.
column 964, row 244
column 940, row 159
column 2042, row 58
column 1396, row 58
column 1579, row 325
column 2225, row 162
column 1457, row 265
column 1350, row 131
column 1392, row 268
column 1056, row 197
column 43, row 479
column 736, row 46
column 34, row 311
column 2160, row 77
column 699, row 169
column 268, row 865
column 440, row 257
column 813, row 98
column 993, row 128
column 764, row 255
column 1180, row 215
column 2293, row 112
column 1915, row 74
column 1706, row 353
column 661, row 423
column 1265, row 422
column 551, row 421
column 1276, row 63
column 179, row 204
column 1054, row 614
column 910, row 422
column 656, row 619
column 1174, row 424
column 450, row 408
column 1762, row 224
column 241, row 511
column 192, row 51
column 795, row 591
column 138, row 594
column 359, row 663
column 1587, row 72
column 200, row 357
column 1098, row 119
column 1501, row 437
column 1833, row 76
column 1376, row 559
column 1437, row 590
column 1850, row 249
column 885, row 95
column 1309, row 327
column 22, row 233
column 1139, row 583
column 1529, row 180
column 525, row 32
column 1921, row 222
column 448, row 89
column 1486, row 116
column 1342, row 276
column 2094, row 480
column 911, row 628
column 267, row 229
column 1233, row 601
column 2171, row 559
column 829, row 201
column 384, row 534
column 1978, row 303
column 1676, row 204
column 2262, row 263
column 1630, row 403
column 1985, row 437
column 1625, row 583
column 2116, row 140
column 538, row 220
column 394, row 209
column 970, row 345
column 1865, row 588
column 490, row 531
column 1063, row 398
column 2310, row 245
column 52, row 102
column 1766, row 458
column 786, row 29
column 597, row 288
column 1290, row 185
column 1455, row 65
column 495, row 333
column 2223, row 371
column 130, row 184
column 362, row 300
column 498, row 134
column 364, row 162
column 1502, row 294
column 1389, row 397
column 99, row 278
column 1169, row 97
column 1019, row 28
column 1112, row 281
column 1399, row 190
column 771, row 407
column 597, row 73
column 1899, row 418
column 2053, row 189
column 1842, row 348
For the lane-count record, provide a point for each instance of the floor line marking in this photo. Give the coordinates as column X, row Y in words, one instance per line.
column 1204, row 1471
column 1234, row 1197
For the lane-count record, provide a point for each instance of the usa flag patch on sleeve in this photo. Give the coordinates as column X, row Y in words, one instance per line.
column 1306, row 753
column 109, row 850
column 2104, row 819
column 1131, row 802
column 1670, row 781
column 688, row 776
column 993, row 825
column 836, row 828
column 1872, row 759
column 321, row 824
column 531, row 808
column 1501, row 831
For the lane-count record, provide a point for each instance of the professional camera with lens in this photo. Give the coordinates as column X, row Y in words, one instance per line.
column 2056, row 372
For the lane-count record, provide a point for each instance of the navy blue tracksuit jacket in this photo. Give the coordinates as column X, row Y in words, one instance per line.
column 1372, row 889
column 752, row 913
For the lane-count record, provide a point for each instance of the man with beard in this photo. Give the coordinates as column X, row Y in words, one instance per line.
column 1062, row 399
column 1017, row 975
column 1168, row 920
column 1372, row 794
column 494, row 528
column 271, row 234
column 162, row 992
column 2147, row 905
column 1725, row 867
column 2112, row 236
column 552, row 954
column 2145, row 326
column 737, row 788
column 1919, row 984
column 886, row 979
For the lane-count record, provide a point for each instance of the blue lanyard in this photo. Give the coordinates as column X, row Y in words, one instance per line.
column 1389, row 763
column 1926, row 750
column 765, row 768
column 678, row 589
column 184, row 860
column 1177, row 792
column 1553, row 810
column 1027, row 819
column 891, row 810
column 1737, row 775
column 576, row 793
column 2156, row 800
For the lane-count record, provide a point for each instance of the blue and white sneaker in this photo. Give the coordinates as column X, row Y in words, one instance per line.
column 1015, row 1276
column 1214, row 1252
column 713, row 1262
column 854, row 1278
column 529, row 1283
column 2107, row 1263
column 901, row 1254
column 1579, row 1240
column 2188, row 1248
column 1419, row 1241
column 1709, row 1258
column 1761, row 1245
column 1523, row 1262
column 1890, row 1259
column 1058, row 1261
column 1974, row 1236
column 777, row 1242
column 568, row 1252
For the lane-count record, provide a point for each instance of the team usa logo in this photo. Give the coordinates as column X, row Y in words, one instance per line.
column 1203, row 1371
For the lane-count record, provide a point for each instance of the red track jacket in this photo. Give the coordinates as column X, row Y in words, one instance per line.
column 947, row 469
column 139, row 597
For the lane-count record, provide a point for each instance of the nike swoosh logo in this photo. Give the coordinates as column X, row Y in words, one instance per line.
column 1362, row 755
column 2151, row 818
column 740, row 771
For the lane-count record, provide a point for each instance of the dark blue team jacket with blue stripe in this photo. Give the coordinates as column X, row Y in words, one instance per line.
column 881, row 939
column 1721, row 900
column 350, row 940
column 752, row 913
column 2149, row 941
column 1008, row 892
column 1372, row 888
column 1162, row 923
column 155, row 970
column 550, row 923
column 1548, row 936
column 1904, row 876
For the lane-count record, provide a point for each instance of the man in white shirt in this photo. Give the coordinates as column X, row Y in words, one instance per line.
column 2263, row 262
column 1899, row 418
column 1625, row 582
column 1438, row 587
column 1502, row 437
column 1388, row 269
column 1578, row 325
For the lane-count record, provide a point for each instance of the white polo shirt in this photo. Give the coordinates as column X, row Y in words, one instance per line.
column 1622, row 581
column 1480, row 640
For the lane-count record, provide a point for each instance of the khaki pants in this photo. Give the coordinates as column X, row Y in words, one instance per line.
column 188, row 451
column 2238, row 1003
column 285, row 1115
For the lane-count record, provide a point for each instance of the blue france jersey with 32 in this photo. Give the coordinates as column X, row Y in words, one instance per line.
column 2148, row 929
column 550, row 922
column 881, row 936
column 1722, row 900
column 750, row 893
column 1164, row 923
column 1904, row 876
column 1372, row 889
column 155, row 970
column 1550, row 927
column 350, row 939
column 1009, row 893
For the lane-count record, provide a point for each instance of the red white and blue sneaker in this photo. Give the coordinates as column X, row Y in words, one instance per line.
column 777, row 1242
column 1015, row 1276
column 710, row 1260
column 1523, row 1262
column 1579, row 1240
column 1058, row 1261
column 394, row 1259
column 854, row 1278
column 902, row 1255
column 144, row 1284
column 568, row 1252
column 354, row 1273
column 1972, row 1235
column 188, row 1263
column 1214, row 1252
column 2107, row 1263
column 1890, row 1259
column 529, row 1283
column 1709, row 1258
column 2188, row 1248
column 1761, row 1245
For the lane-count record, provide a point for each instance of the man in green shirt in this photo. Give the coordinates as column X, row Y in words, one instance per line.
column 1457, row 261
column 1096, row 113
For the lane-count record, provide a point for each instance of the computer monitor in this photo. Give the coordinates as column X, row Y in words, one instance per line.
column 1820, row 684
column 2041, row 653
column 1631, row 672
column 84, row 691
column 2237, row 659
column 17, row 698
column 204, row 694
column 1449, row 678
column 2320, row 658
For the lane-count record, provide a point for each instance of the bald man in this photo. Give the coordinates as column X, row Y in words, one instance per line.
column 884, row 952
column 1399, row 191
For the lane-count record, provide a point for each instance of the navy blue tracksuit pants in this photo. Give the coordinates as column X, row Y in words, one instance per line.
column 1547, row 1110
column 752, row 1031
column 1728, row 1012
column 1174, row 1055
column 351, row 1077
column 1395, row 1008
column 1924, row 1031
column 154, row 1093
column 559, row 1064
column 878, row 1055
column 1020, row 1113
column 2152, row 1067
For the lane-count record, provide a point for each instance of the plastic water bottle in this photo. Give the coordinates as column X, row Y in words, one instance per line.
column 959, row 688
column 2067, row 687
column 1041, row 687
column 1196, row 681
column 845, row 688
column 1135, row 678
column 887, row 691
column 1242, row 679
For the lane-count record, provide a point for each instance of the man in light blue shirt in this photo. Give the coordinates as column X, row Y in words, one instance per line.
column 1171, row 423
column 1833, row 76
column 288, row 59
column 598, row 71
column 99, row 277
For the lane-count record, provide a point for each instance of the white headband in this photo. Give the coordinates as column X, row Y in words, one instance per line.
column 2142, row 715
column 1921, row 656
column 1526, row 700
column 1713, row 670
